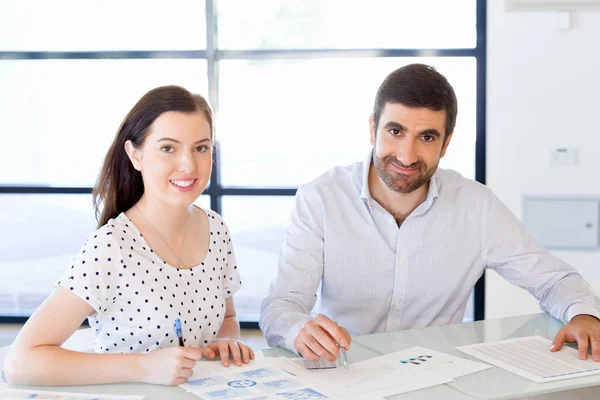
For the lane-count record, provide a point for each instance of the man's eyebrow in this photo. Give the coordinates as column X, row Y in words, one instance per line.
column 431, row 131
column 177, row 141
column 395, row 125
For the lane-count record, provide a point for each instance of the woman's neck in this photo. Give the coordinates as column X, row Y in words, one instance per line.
column 168, row 220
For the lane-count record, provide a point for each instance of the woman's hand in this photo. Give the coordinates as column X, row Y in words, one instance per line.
column 240, row 352
column 169, row 366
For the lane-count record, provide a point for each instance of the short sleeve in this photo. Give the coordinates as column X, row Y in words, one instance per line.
column 92, row 271
column 231, row 277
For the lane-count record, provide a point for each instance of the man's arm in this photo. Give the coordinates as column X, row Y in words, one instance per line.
column 513, row 252
column 293, row 294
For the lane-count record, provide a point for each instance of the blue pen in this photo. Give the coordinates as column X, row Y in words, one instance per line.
column 177, row 327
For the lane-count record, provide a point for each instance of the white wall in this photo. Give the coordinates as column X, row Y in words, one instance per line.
column 543, row 91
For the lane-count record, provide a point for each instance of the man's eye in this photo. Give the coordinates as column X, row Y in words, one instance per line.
column 394, row 132
column 428, row 138
column 166, row 149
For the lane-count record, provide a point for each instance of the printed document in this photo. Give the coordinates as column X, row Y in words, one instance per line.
column 261, row 379
column 422, row 359
column 531, row 358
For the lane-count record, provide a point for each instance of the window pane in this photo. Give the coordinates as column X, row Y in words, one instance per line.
column 335, row 24
column 284, row 122
column 75, row 25
column 203, row 202
column 257, row 237
column 38, row 242
column 60, row 116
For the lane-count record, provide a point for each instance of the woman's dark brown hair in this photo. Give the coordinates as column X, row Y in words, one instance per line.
column 119, row 185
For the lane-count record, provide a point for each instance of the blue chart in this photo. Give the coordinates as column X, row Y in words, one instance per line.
column 281, row 384
column 416, row 360
column 260, row 373
column 302, row 394
column 204, row 382
column 241, row 383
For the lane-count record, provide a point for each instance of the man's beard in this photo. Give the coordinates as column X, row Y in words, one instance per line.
column 398, row 182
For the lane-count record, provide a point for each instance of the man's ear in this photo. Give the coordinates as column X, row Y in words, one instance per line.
column 443, row 153
column 373, row 129
column 134, row 155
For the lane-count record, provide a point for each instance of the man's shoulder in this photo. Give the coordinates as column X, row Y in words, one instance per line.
column 448, row 179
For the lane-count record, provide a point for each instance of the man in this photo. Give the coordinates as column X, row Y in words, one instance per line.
column 396, row 243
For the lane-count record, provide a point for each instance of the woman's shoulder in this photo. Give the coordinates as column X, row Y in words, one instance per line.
column 106, row 234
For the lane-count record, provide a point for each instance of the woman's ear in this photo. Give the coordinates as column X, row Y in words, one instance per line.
column 134, row 155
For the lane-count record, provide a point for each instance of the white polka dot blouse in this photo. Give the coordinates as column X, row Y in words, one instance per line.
column 137, row 296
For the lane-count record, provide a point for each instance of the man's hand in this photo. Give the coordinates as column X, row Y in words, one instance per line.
column 583, row 329
column 321, row 338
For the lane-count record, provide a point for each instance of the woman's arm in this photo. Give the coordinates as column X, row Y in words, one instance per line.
column 36, row 357
column 230, row 328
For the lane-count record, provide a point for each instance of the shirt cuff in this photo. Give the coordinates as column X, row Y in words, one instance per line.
column 581, row 308
column 293, row 333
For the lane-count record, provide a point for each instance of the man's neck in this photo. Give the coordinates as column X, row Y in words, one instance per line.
column 400, row 205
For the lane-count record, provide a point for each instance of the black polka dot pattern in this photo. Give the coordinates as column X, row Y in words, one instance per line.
column 136, row 295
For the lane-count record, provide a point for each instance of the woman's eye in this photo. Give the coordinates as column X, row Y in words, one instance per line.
column 201, row 149
column 166, row 149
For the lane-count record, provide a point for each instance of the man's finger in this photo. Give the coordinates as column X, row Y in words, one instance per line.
column 348, row 338
column 307, row 353
column 315, row 345
column 332, row 328
column 324, row 339
column 583, row 344
column 595, row 342
column 559, row 340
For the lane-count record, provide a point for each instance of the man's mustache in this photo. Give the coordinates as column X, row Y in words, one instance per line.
column 392, row 160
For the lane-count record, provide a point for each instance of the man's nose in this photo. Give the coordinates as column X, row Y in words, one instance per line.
column 406, row 152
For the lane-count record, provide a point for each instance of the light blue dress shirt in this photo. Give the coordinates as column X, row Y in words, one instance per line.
column 373, row 276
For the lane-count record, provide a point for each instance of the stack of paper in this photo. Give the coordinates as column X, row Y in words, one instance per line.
column 531, row 358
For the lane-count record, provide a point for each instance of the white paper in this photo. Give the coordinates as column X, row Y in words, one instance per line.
column 530, row 357
column 47, row 395
column 376, row 377
column 419, row 358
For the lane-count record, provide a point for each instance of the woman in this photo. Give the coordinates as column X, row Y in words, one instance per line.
column 153, row 260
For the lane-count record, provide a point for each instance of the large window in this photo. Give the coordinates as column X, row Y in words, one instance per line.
column 292, row 84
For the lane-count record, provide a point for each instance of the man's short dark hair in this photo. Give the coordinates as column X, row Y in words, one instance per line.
column 420, row 86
